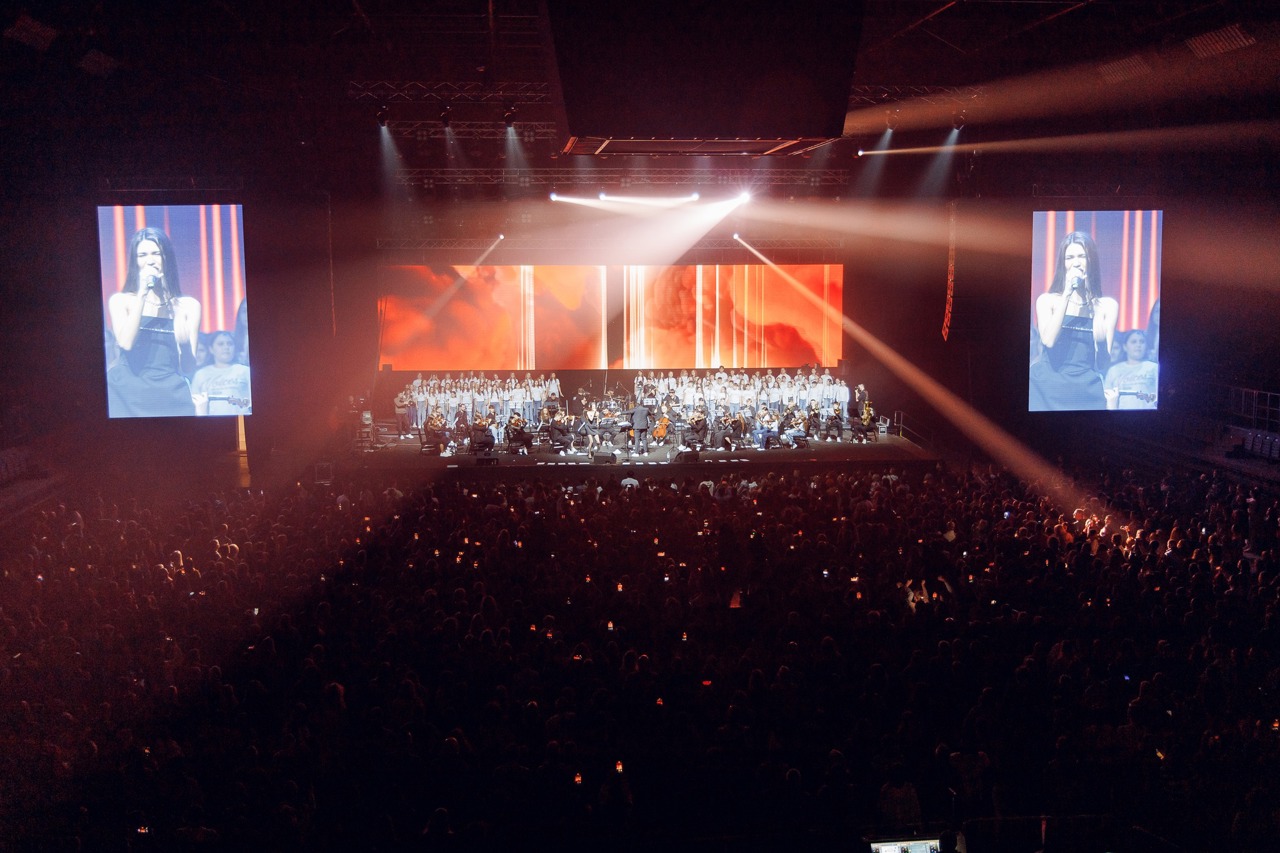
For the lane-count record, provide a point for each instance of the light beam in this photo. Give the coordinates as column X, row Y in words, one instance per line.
column 981, row 430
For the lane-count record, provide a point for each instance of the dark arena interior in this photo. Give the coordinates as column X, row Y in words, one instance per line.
column 697, row 426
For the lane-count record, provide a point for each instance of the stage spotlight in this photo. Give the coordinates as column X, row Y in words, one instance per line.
column 502, row 236
column 444, row 117
column 891, row 119
column 694, row 196
column 957, row 120
column 602, row 196
column 509, row 117
column 744, row 197
column 735, row 235
column 382, row 115
column 554, row 197
column 859, row 152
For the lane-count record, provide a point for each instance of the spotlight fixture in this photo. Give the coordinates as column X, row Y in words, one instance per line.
column 382, row 115
column 444, row 116
column 744, row 197
column 891, row 119
column 957, row 120
column 509, row 116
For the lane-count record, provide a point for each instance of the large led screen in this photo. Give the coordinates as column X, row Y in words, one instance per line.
column 176, row 324
column 604, row 317
column 1095, row 310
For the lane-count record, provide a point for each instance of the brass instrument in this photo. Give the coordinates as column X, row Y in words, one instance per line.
column 867, row 413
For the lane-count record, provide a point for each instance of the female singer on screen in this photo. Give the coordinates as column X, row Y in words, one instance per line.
column 153, row 324
column 1076, row 323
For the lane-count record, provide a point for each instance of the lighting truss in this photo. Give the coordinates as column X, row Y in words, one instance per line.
column 1047, row 190
column 172, row 183
column 435, row 129
column 772, row 147
column 449, row 92
column 875, row 96
column 625, row 176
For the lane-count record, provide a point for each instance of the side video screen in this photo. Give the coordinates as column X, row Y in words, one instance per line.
column 1095, row 310
column 175, row 313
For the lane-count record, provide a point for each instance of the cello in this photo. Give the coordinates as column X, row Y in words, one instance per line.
column 663, row 426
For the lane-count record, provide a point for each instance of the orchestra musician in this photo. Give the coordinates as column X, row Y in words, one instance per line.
column 559, row 434
column 793, row 427
column 662, row 427
column 833, row 426
column 698, row 429
column 482, row 437
column 862, row 425
column 766, row 428
column 746, row 423
column 608, row 423
column 813, row 426
column 461, row 422
column 546, row 414
column 435, row 433
column 519, row 439
column 722, row 432
column 494, row 423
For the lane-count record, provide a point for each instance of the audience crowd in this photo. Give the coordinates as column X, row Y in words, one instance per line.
column 749, row 660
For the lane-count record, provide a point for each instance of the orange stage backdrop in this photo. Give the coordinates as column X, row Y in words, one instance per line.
column 596, row 317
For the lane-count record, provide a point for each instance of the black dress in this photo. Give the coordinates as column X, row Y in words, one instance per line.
column 146, row 382
column 1065, row 378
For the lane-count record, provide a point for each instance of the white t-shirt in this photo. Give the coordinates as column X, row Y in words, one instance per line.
column 1137, row 384
column 227, row 387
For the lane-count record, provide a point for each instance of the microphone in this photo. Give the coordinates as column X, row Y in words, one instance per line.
column 152, row 281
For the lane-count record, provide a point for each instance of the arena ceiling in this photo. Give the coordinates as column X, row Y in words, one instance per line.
column 663, row 77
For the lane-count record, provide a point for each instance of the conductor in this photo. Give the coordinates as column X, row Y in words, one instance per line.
column 640, row 417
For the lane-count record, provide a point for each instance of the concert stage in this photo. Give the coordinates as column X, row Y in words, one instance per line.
column 394, row 455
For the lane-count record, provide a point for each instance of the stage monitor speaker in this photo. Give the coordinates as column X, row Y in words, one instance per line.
column 686, row 456
column 602, row 459
column 486, row 457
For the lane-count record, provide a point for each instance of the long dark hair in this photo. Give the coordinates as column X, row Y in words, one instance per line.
column 1093, row 274
column 170, row 261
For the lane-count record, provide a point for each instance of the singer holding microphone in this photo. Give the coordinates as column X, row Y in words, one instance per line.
column 153, row 324
column 1076, row 325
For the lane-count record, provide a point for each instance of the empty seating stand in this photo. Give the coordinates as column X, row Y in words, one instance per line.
column 1263, row 445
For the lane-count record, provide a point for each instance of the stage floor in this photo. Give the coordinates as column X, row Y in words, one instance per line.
column 394, row 455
